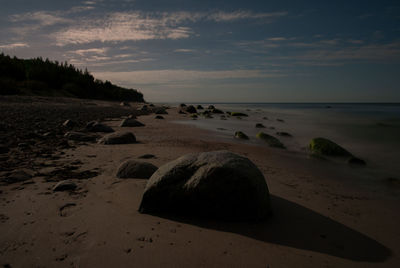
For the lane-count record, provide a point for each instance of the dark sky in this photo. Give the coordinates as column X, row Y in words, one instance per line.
column 227, row 51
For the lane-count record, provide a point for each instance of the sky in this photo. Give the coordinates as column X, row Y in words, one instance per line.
column 218, row 51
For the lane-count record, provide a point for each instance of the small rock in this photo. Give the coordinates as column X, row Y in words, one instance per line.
column 327, row 147
column 199, row 107
column 66, row 185
column 280, row 120
column 238, row 114
column 182, row 105
column 147, row 156
column 144, row 108
column 356, row 161
column 118, row 138
column 95, row 126
column 272, row 141
column 241, row 135
column 80, row 136
column 211, row 107
column 159, row 117
column 136, row 169
column 125, row 104
column 259, row 125
column 216, row 111
column 283, row 134
column 130, row 122
column 161, row 111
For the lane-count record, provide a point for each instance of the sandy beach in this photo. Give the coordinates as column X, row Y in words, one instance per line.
column 321, row 218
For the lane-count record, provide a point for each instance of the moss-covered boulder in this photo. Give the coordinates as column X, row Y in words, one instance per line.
column 216, row 111
column 241, row 135
column 327, row 147
column 238, row 114
column 272, row 141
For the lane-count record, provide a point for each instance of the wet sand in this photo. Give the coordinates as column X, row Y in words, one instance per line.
column 320, row 217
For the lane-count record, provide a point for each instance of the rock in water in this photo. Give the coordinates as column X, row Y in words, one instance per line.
column 136, row 169
column 159, row 117
column 118, row 138
column 161, row 111
column 95, row 126
column 69, row 124
column 65, row 185
column 216, row 184
column 130, row 122
column 190, row 109
column 272, row 141
column 327, row 147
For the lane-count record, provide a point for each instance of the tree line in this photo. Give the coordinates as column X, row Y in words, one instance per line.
column 52, row 78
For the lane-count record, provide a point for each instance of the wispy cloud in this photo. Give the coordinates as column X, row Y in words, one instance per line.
column 184, row 50
column 14, row 46
column 82, row 52
column 242, row 14
column 40, row 18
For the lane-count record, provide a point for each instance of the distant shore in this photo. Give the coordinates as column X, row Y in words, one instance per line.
column 320, row 217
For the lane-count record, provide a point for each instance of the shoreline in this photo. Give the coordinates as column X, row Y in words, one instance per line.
column 319, row 218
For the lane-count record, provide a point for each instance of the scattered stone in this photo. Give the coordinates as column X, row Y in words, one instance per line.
column 327, row 147
column 272, row 141
column 238, row 114
column 280, row 120
column 216, row 184
column 95, row 126
column 135, row 169
column 356, row 161
column 80, row 136
column 147, row 156
column 283, row 134
column 259, row 125
column 65, row 185
column 199, row 107
column 241, row 135
column 118, row 138
column 130, row 122
column 69, row 124
column 125, row 104
column 190, row 109
column 181, row 112
column 159, row 117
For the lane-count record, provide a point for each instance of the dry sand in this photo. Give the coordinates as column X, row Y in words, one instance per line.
column 321, row 218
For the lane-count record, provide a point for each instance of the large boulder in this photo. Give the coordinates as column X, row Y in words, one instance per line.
column 270, row 140
column 326, row 147
column 216, row 184
column 118, row 138
column 95, row 126
column 130, row 122
column 136, row 169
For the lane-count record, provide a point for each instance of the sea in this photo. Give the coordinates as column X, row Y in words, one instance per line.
column 370, row 131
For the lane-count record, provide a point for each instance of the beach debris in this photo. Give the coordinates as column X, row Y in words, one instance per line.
column 135, row 169
column 356, row 161
column 65, row 185
column 217, row 184
column 241, row 135
column 199, row 107
column 80, row 136
column 95, row 126
column 69, row 123
column 130, row 122
column 327, row 147
column 125, row 104
column 283, row 134
column 125, row 137
column 159, row 117
column 238, row 114
column 271, row 140
column 147, row 156
column 259, row 125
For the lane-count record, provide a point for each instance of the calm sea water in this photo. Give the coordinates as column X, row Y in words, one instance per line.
column 370, row 131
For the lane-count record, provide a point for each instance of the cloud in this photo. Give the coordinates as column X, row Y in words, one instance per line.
column 14, row 46
column 242, row 14
column 184, row 50
column 42, row 18
column 82, row 52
